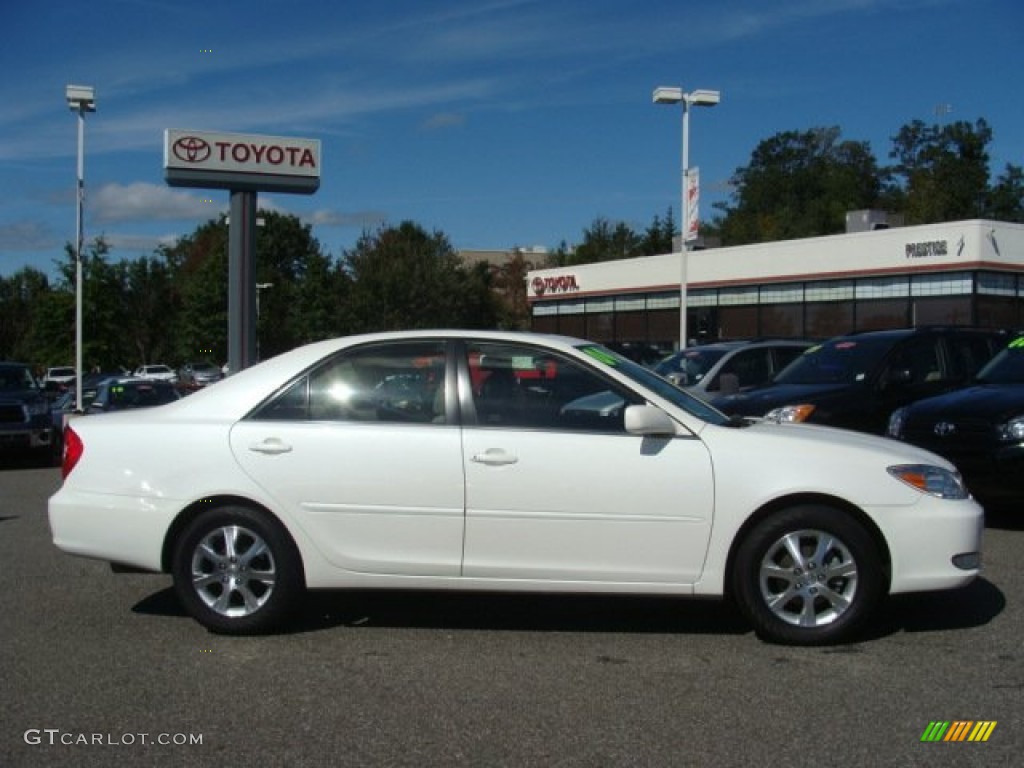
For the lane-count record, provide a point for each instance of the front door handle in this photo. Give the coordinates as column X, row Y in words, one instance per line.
column 271, row 446
column 495, row 457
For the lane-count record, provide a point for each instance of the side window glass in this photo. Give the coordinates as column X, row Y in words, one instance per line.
column 746, row 369
column 917, row 362
column 401, row 382
column 522, row 387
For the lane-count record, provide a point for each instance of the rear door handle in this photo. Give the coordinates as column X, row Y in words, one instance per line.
column 495, row 457
column 271, row 446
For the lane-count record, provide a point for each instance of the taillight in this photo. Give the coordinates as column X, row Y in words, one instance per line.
column 73, row 450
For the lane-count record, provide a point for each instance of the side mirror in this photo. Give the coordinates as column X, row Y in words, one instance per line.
column 650, row 421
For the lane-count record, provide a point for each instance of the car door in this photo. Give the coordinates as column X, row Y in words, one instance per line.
column 363, row 456
column 556, row 489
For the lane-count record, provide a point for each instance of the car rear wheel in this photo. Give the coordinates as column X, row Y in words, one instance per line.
column 808, row 575
column 237, row 571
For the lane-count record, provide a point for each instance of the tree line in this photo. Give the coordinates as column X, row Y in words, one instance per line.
column 171, row 306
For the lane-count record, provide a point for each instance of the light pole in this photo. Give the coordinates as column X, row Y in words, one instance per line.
column 81, row 99
column 698, row 98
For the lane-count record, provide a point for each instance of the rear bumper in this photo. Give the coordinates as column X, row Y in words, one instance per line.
column 126, row 530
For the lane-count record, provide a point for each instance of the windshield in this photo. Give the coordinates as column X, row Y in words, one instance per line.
column 695, row 363
column 16, row 379
column 654, row 382
column 1007, row 367
column 839, row 361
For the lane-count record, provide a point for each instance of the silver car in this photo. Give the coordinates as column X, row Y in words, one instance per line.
column 729, row 366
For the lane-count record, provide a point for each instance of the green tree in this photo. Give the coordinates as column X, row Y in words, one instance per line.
column 657, row 238
column 22, row 296
column 403, row 277
column 799, row 184
column 1006, row 197
column 942, row 172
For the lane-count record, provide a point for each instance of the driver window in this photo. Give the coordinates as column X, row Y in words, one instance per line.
column 522, row 387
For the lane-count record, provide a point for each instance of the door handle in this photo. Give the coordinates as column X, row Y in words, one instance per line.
column 494, row 457
column 270, row 446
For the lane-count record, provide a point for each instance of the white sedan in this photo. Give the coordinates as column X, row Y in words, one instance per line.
column 503, row 461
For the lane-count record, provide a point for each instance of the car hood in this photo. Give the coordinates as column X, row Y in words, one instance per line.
column 21, row 396
column 981, row 401
column 760, row 400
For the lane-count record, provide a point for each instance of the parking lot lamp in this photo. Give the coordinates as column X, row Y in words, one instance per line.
column 697, row 98
column 81, row 99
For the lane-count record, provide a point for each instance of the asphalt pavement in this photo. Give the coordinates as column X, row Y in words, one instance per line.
column 98, row 669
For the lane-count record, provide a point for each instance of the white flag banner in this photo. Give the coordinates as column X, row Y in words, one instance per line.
column 692, row 204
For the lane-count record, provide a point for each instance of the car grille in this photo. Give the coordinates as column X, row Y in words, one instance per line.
column 12, row 414
column 969, row 437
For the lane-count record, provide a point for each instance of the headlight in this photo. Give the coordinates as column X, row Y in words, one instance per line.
column 1013, row 430
column 790, row 413
column 935, row 481
column 897, row 421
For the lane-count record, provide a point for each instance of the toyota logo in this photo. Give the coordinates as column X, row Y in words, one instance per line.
column 538, row 286
column 191, row 149
column 944, row 429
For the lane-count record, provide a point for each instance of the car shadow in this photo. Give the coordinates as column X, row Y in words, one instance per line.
column 974, row 606
column 426, row 609
column 1004, row 518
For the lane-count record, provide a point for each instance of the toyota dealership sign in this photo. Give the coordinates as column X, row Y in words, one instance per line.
column 241, row 161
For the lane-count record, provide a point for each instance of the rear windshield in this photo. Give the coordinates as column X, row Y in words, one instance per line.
column 839, row 361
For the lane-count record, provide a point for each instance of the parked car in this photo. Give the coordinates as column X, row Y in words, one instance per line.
column 726, row 367
column 857, row 381
column 156, row 371
column 121, row 394
column 979, row 428
column 368, row 462
column 57, row 380
column 648, row 355
column 25, row 425
column 196, row 375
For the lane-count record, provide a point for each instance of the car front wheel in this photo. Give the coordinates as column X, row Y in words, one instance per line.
column 808, row 575
column 236, row 571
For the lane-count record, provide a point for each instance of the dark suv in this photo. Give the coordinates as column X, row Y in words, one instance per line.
column 979, row 428
column 857, row 381
column 25, row 422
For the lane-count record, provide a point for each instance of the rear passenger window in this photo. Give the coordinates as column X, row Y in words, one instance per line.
column 403, row 382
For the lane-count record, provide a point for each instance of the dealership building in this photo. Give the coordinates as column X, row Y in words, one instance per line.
column 958, row 273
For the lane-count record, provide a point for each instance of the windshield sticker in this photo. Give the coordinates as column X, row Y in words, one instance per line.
column 859, row 377
column 601, row 355
column 812, row 350
column 1017, row 343
column 846, row 345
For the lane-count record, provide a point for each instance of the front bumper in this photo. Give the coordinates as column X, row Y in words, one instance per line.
column 924, row 540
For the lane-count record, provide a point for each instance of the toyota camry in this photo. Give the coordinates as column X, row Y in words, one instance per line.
column 504, row 462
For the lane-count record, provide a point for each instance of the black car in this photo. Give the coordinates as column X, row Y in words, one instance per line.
column 857, row 381
column 25, row 425
column 980, row 428
column 123, row 393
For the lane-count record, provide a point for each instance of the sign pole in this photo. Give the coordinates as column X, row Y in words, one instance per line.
column 242, row 281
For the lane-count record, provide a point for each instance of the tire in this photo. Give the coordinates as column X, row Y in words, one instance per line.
column 808, row 575
column 237, row 571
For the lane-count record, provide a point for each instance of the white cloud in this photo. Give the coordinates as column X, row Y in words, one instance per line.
column 26, row 235
column 142, row 201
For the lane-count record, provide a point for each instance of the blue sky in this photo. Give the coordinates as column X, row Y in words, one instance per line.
column 499, row 122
